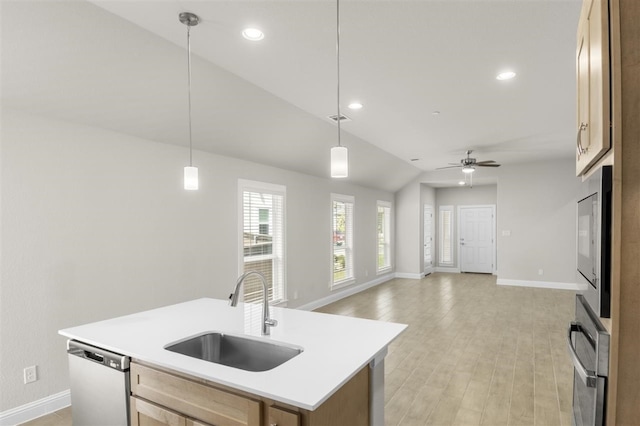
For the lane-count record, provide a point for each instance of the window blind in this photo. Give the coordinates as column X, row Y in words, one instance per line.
column 384, row 236
column 446, row 235
column 263, row 243
column 342, row 235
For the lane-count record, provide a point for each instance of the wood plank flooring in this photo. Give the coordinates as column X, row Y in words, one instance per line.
column 474, row 353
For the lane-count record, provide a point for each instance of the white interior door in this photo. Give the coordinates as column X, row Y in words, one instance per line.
column 428, row 238
column 476, row 232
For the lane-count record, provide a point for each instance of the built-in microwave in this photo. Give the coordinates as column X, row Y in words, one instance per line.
column 594, row 240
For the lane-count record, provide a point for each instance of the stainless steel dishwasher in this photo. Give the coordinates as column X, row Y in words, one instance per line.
column 99, row 386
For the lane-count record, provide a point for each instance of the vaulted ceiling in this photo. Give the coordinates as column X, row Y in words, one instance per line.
column 121, row 65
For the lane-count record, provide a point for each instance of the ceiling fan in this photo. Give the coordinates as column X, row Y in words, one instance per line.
column 469, row 164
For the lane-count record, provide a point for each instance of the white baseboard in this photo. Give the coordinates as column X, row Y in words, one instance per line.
column 447, row 269
column 334, row 297
column 542, row 284
column 409, row 275
column 36, row 409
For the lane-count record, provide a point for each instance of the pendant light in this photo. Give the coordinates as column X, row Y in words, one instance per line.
column 339, row 154
column 190, row 172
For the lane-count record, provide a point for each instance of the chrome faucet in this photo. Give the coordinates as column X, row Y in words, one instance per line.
column 233, row 300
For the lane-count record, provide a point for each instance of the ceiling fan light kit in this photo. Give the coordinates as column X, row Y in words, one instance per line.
column 468, row 166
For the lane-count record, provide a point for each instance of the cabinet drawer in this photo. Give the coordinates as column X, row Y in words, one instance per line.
column 194, row 399
column 144, row 413
column 282, row 417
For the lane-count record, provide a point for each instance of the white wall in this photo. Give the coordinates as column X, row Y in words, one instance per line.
column 537, row 204
column 408, row 239
column 461, row 196
column 95, row 224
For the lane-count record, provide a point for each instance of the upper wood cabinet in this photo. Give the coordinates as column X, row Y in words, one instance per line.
column 593, row 128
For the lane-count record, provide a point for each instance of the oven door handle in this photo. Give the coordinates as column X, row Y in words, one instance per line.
column 588, row 377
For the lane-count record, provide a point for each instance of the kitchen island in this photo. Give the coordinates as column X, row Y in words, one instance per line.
column 336, row 351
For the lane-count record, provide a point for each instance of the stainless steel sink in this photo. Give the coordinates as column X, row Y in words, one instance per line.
column 235, row 351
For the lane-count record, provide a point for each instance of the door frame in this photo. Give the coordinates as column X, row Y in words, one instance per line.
column 494, row 254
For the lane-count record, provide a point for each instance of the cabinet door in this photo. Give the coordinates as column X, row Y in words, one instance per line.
column 193, row 399
column 582, row 77
column 281, row 417
column 593, row 77
column 144, row 413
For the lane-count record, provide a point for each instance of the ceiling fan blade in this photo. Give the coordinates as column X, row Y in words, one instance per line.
column 487, row 165
column 485, row 162
column 454, row 164
column 448, row 167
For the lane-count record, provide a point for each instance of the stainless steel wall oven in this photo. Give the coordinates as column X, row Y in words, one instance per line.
column 588, row 343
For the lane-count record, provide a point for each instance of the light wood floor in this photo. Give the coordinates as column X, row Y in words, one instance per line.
column 474, row 353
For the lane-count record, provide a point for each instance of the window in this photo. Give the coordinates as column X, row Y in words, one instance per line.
column 263, row 239
column 384, row 236
column 446, row 235
column 263, row 218
column 342, row 239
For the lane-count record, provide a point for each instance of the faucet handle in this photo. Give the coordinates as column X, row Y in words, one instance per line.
column 271, row 322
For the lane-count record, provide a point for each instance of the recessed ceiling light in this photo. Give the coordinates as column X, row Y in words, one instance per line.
column 355, row 105
column 252, row 34
column 435, row 113
column 506, row 75
column 461, row 182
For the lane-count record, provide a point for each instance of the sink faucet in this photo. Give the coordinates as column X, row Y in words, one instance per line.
column 233, row 300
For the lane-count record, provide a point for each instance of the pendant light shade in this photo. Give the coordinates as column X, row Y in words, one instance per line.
column 339, row 162
column 190, row 172
column 339, row 154
column 191, row 178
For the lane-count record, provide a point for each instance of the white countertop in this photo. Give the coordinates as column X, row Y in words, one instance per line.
column 335, row 347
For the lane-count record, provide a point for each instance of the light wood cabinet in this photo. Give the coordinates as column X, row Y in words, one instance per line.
column 144, row 413
column 593, row 127
column 623, row 397
column 280, row 417
column 192, row 399
column 165, row 397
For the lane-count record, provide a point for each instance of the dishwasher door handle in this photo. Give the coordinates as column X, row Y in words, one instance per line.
column 587, row 376
column 98, row 355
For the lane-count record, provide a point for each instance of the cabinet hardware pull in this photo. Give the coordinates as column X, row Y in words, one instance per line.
column 581, row 150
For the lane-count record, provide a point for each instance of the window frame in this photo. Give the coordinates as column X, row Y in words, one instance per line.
column 349, row 242
column 388, row 206
column 245, row 185
column 441, row 235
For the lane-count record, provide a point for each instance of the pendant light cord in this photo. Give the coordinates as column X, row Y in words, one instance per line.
column 338, row 62
column 189, row 91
